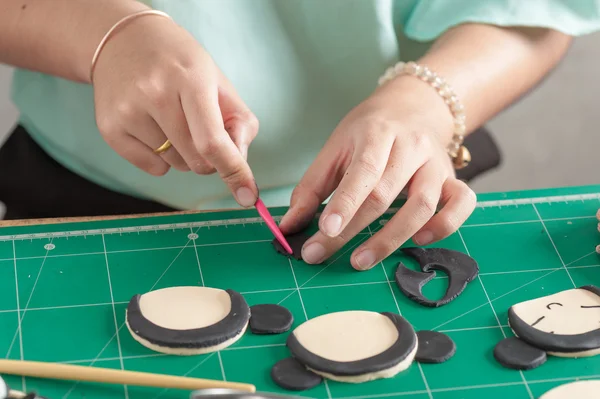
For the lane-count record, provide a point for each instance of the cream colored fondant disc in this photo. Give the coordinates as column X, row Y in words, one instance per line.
column 347, row 336
column 573, row 316
column 575, row 390
column 185, row 308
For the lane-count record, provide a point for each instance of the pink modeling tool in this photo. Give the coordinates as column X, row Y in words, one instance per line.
column 264, row 213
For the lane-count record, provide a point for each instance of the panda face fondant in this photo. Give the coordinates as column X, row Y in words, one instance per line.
column 563, row 324
column 571, row 312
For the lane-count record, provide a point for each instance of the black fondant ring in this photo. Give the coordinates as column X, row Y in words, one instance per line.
column 395, row 354
column 226, row 329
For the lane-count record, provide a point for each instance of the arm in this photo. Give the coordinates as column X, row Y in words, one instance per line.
column 490, row 67
column 57, row 37
column 153, row 82
column 396, row 141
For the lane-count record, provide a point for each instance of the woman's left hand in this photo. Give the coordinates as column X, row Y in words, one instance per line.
column 393, row 142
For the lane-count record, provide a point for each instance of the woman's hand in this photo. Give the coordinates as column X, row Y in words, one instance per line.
column 395, row 140
column 154, row 82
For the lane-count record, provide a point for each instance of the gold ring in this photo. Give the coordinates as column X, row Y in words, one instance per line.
column 163, row 148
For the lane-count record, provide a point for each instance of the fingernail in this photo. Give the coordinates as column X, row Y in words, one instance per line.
column 365, row 259
column 424, row 237
column 332, row 225
column 313, row 253
column 245, row 197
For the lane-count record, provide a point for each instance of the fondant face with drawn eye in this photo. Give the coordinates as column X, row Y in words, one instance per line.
column 570, row 312
column 563, row 324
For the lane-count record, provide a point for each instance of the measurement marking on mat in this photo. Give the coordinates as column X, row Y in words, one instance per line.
column 19, row 330
column 112, row 300
column 258, row 220
column 554, row 245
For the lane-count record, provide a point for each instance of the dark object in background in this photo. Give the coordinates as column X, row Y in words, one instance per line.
column 485, row 155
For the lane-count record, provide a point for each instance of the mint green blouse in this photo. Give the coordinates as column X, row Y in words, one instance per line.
column 300, row 65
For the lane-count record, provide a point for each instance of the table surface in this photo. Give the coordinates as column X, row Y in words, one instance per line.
column 65, row 285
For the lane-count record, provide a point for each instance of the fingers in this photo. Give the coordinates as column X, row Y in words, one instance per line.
column 423, row 196
column 146, row 130
column 396, row 175
column 129, row 147
column 361, row 177
column 317, row 184
column 172, row 121
column 140, row 155
column 212, row 142
column 458, row 201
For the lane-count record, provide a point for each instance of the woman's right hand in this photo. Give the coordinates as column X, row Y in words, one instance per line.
column 153, row 81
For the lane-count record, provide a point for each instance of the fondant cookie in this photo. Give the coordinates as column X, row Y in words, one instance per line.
column 187, row 320
column 587, row 389
column 565, row 324
column 461, row 270
column 354, row 346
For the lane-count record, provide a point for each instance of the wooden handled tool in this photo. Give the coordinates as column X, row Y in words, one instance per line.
column 103, row 375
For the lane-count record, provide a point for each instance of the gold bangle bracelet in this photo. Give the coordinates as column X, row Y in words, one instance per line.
column 119, row 23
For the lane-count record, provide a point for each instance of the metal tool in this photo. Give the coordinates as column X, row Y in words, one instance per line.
column 233, row 394
column 7, row 393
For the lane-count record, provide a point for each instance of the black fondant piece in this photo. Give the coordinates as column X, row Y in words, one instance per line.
column 231, row 326
column 516, row 354
column 296, row 242
column 270, row 319
column 32, row 395
column 461, row 270
column 550, row 342
column 291, row 374
column 411, row 283
column 434, row 347
column 399, row 351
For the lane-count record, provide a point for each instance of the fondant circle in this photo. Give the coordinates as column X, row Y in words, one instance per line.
column 291, row 374
column 587, row 389
column 563, row 324
column 354, row 346
column 187, row 320
column 434, row 347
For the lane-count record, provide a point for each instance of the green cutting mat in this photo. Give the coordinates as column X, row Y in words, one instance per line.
column 64, row 290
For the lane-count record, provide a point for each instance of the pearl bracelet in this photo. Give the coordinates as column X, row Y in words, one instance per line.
column 460, row 154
